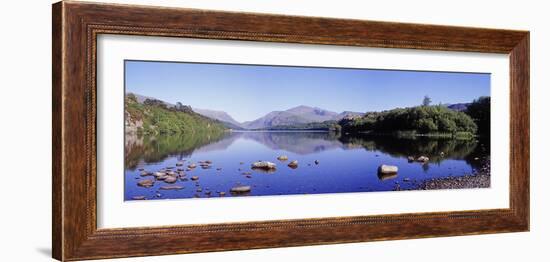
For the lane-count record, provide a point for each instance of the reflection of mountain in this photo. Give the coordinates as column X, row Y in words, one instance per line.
column 296, row 142
column 154, row 149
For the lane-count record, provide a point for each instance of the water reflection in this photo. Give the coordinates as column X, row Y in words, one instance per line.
column 155, row 149
column 328, row 163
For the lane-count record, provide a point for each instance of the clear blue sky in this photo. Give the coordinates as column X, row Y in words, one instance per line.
column 248, row 92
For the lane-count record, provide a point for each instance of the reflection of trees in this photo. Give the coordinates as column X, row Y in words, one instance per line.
column 156, row 148
column 434, row 148
column 482, row 150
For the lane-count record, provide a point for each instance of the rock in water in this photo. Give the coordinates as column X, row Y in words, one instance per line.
column 293, row 164
column 193, row 165
column 160, row 176
column 264, row 165
column 194, row 178
column 138, row 198
column 316, row 162
column 410, row 159
column 240, row 189
column 170, row 179
column 146, row 183
column 173, row 187
column 422, row 159
column 383, row 176
column 282, row 158
column 387, row 169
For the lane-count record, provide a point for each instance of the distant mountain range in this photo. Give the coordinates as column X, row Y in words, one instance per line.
column 461, row 107
column 295, row 116
column 221, row 116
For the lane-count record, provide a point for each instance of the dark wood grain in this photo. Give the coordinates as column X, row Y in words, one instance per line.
column 76, row 26
column 57, row 196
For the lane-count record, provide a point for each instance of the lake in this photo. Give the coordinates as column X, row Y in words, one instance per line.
column 345, row 163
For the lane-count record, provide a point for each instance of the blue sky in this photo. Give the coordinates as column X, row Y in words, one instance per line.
column 248, row 92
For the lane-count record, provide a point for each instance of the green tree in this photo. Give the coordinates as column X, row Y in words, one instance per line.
column 426, row 101
column 480, row 112
column 420, row 119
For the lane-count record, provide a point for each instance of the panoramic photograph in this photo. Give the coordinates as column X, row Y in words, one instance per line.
column 209, row 130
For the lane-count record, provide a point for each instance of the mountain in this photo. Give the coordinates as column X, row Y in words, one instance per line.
column 297, row 116
column 460, row 107
column 294, row 116
column 141, row 99
column 221, row 116
column 312, row 114
column 348, row 114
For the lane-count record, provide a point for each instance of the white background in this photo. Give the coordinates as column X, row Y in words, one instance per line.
column 25, row 136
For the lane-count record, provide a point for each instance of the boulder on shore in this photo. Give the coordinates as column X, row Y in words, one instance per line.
column 264, row 165
column 387, row 169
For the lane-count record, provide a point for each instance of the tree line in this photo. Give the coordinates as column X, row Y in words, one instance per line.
column 425, row 119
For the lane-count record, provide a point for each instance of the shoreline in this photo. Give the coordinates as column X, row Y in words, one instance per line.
column 479, row 179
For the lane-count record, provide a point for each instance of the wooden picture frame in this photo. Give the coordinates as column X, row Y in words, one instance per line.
column 76, row 26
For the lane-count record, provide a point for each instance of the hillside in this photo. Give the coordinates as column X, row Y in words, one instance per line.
column 153, row 116
column 221, row 116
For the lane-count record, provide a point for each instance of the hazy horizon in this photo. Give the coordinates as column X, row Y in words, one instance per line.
column 248, row 92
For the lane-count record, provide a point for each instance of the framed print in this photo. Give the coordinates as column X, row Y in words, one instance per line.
column 196, row 131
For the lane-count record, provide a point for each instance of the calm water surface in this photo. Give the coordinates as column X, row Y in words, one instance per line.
column 346, row 163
